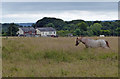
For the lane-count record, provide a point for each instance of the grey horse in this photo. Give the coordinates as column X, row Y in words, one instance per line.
column 91, row 43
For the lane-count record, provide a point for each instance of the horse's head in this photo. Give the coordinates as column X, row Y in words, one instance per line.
column 77, row 41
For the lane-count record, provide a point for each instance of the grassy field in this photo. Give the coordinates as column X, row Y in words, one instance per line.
column 56, row 57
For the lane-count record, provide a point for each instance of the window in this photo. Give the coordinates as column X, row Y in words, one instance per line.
column 50, row 32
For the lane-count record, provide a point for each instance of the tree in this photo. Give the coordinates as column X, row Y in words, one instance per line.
column 83, row 26
column 89, row 32
column 33, row 25
column 105, row 32
column 96, row 27
column 77, row 32
column 3, row 33
column 12, row 29
column 89, row 23
column 62, row 32
column 72, row 26
column 118, row 31
column 50, row 25
column 97, row 21
column 58, row 23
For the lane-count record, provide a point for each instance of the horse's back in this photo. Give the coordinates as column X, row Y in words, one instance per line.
column 93, row 43
column 97, row 43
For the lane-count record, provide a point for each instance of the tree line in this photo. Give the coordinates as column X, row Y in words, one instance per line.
column 10, row 29
column 75, row 27
column 81, row 27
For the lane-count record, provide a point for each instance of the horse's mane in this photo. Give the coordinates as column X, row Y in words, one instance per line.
column 80, row 37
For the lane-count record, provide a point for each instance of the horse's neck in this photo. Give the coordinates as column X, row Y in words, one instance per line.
column 83, row 40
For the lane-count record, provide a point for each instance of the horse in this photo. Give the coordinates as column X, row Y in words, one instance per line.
column 91, row 43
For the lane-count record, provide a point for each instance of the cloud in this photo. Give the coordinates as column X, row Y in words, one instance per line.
column 22, row 7
column 66, row 15
column 60, row 0
column 33, row 11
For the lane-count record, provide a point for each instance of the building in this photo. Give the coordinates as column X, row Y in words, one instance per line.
column 46, row 31
column 26, row 31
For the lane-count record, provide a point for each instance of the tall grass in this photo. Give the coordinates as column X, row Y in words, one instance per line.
column 52, row 55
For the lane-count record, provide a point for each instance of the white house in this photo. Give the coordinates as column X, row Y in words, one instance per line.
column 46, row 31
column 26, row 31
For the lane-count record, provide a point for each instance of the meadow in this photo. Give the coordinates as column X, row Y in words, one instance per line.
column 57, row 57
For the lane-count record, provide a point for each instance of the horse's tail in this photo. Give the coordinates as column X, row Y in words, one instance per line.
column 107, row 44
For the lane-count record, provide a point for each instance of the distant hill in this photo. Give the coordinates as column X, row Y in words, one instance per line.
column 57, row 23
column 74, row 21
column 47, row 21
column 24, row 24
column 6, row 25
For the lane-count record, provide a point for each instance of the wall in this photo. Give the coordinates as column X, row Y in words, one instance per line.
column 48, row 33
column 20, row 31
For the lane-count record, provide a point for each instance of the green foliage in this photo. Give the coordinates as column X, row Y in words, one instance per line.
column 5, row 27
column 62, row 32
column 86, row 28
column 12, row 29
column 89, row 32
column 83, row 26
column 74, row 21
column 111, row 56
column 33, row 25
column 89, row 23
column 58, row 23
column 63, row 72
column 50, row 25
column 4, row 33
column 105, row 32
column 118, row 31
column 14, row 69
column 96, row 27
column 77, row 32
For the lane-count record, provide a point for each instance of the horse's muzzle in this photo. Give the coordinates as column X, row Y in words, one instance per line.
column 76, row 44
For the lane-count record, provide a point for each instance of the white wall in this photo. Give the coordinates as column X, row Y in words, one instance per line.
column 45, row 33
column 20, row 32
column 38, row 32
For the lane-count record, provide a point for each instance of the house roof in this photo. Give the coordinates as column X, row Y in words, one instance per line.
column 46, row 29
column 27, row 29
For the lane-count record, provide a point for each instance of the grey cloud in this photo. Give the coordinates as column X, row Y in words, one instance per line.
column 14, row 11
column 26, row 7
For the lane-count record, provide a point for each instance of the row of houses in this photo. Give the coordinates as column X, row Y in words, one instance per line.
column 30, row 31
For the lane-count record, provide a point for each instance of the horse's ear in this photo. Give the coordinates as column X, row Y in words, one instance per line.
column 81, row 36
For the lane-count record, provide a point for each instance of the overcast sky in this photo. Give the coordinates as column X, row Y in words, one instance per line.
column 60, row 0
column 32, row 11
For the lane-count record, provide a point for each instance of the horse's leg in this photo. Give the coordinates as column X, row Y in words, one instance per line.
column 105, row 47
column 86, row 46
